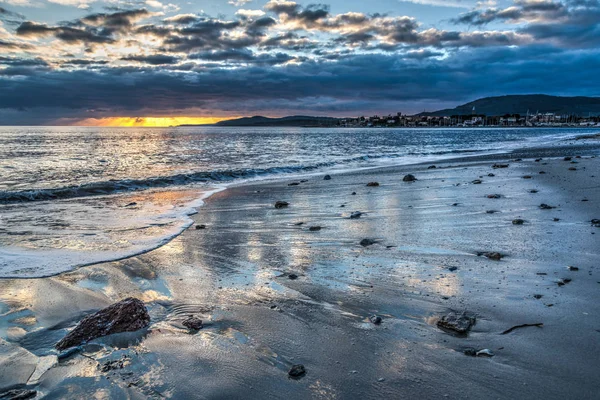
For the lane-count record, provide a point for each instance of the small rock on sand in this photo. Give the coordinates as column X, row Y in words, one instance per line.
column 202, row 226
column 293, row 277
column 491, row 175
column 477, row 182
column 432, row 167
column 491, row 212
column 494, row 255
column 494, row 196
column 281, row 204
column 353, row 193
column 193, row 323
column 297, row 371
column 518, row 221
column 458, row 323
column 355, row 215
column 373, row 184
column 496, row 166
column 571, row 268
column 568, row 158
column 527, row 177
column 367, row 242
column 327, row 177
column 409, row 178
column 125, row 316
column 314, row 228
column 375, row 319
column 294, row 184
column 572, row 169
column 544, row 206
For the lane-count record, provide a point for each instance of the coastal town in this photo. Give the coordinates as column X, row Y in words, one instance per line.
column 473, row 120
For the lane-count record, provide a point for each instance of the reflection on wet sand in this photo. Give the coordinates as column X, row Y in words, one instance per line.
column 272, row 294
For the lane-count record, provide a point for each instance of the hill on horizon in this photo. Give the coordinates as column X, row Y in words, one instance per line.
column 521, row 104
column 296, row 120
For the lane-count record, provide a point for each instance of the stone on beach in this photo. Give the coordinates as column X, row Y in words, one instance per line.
column 355, row 215
column 375, row 319
column 493, row 255
column 496, row 166
column 201, row 226
column 494, row 196
column 281, row 204
column 373, row 184
column 314, row 228
column 128, row 315
column 327, row 177
column 477, row 182
column 409, row 178
column 458, row 323
column 544, row 206
column 193, row 323
column 367, row 242
column 518, row 221
column 297, row 371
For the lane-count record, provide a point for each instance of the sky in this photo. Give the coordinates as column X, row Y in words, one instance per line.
column 165, row 62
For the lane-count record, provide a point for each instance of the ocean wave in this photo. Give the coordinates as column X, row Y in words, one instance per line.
column 131, row 185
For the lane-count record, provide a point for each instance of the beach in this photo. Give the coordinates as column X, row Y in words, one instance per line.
column 276, row 287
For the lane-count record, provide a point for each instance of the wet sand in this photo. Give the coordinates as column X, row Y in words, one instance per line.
column 235, row 276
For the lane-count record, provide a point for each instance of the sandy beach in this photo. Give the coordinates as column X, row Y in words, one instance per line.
column 272, row 292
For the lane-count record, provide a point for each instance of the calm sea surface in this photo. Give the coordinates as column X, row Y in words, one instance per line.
column 72, row 196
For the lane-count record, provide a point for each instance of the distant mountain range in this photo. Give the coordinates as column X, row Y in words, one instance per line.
column 520, row 104
column 297, row 120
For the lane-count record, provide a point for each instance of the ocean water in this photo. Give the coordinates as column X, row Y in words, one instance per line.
column 72, row 196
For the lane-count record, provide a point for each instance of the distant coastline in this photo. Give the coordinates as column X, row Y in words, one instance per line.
column 503, row 111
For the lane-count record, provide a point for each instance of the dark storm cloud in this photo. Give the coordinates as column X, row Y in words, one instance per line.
column 243, row 56
column 346, row 82
column 154, row 59
column 30, row 29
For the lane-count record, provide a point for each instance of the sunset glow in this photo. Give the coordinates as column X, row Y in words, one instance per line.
column 149, row 121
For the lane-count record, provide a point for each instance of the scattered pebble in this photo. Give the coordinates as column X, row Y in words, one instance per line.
column 327, row 177
column 373, row 184
column 518, row 221
column 297, row 371
column 409, row 178
column 202, row 226
column 281, row 204
column 314, row 228
column 193, row 323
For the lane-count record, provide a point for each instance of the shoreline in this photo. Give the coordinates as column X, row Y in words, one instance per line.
column 235, row 275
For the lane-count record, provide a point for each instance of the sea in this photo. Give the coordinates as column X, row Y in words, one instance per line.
column 75, row 196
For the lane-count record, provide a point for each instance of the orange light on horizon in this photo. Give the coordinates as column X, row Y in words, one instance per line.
column 148, row 121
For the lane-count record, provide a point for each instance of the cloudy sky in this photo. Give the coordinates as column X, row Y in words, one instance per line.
column 118, row 62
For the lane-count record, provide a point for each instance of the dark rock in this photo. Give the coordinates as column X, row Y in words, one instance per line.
column 518, row 221
column 327, row 178
column 457, row 323
column 494, row 196
column 493, row 255
column 432, row 167
column 281, row 204
column 538, row 296
column 373, row 184
column 375, row 319
column 527, row 177
column 114, row 364
column 297, row 371
column 193, row 323
column 496, row 166
column 343, row 206
column 355, row 215
column 125, row 316
column 202, row 226
column 477, row 182
column 452, row 269
column 533, row 191
column 455, row 204
column 471, row 352
column 409, row 178
column 572, row 169
column 544, row 206
column 314, row 228
column 568, row 158
column 571, row 268
column 491, row 175
column 491, row 212
column 299, row 223
column 294, row 184
column 18, row 394
column 538, row 159
column 542, row 172
column 556, row 219
column 563, row 282
column 353, row 193
column 367, row 242
column 131, row 204
column 293, row 277
column 304, row 181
